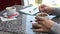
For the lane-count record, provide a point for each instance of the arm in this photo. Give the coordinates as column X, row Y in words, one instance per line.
column 56, row 28
column 56, row 11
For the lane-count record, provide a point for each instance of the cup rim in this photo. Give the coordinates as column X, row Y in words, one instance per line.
column 10, row 7
column 42, row 13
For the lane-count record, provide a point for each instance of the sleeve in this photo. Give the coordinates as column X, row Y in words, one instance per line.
column 56, row 11
column 56, row 28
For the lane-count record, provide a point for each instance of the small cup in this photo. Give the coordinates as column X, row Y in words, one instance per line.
column 43, row 15
column 10, row 10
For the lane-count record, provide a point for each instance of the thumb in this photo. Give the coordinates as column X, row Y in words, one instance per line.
column 40, row 18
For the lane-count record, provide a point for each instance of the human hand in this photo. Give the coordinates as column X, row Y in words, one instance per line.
column 39, row 28
column 45, row 8
column 44, row 21
column 43, row 24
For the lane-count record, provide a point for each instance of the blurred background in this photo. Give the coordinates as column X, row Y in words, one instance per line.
column 53, row 3
column 7, row 3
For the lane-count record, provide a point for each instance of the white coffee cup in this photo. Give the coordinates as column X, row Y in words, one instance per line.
column 10, row 10
column 43, row 15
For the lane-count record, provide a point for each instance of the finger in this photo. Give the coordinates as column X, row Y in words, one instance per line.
column 41, row 30
column 34, row 26
column 42, row 23
column 40, row 18
column 42, row 6
column 38, row 30
column 37, row 26
column 37, row 20
column 41, row 9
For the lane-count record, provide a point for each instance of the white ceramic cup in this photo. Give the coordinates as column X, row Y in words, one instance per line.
column 10, row 10
column 43, row 15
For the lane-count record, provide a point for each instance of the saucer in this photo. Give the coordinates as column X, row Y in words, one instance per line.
column 10, row 16
column 5, row 15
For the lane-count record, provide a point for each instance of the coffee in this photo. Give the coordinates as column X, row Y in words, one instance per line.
column 42, row 14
